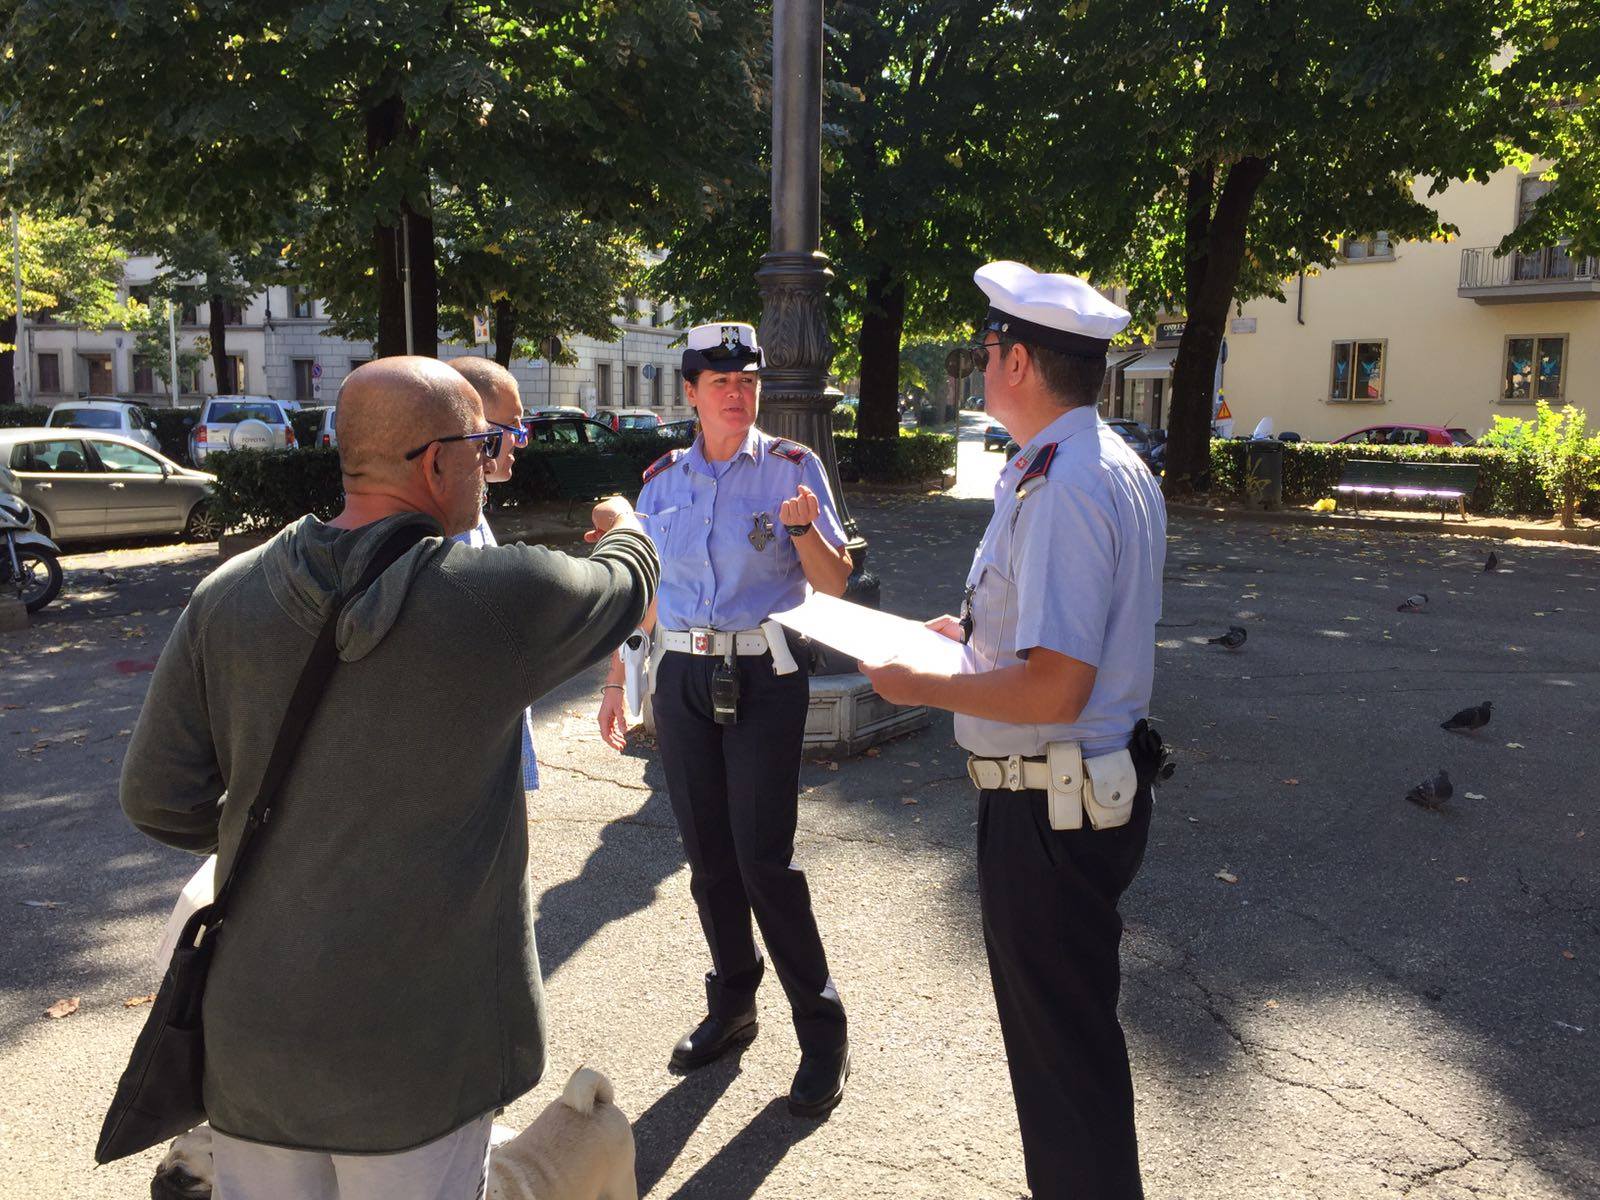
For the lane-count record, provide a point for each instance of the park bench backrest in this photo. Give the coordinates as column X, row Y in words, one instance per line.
column 1372, row 473
column 1459, row 478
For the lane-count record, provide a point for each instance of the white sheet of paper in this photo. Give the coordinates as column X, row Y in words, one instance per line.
column 872, row 636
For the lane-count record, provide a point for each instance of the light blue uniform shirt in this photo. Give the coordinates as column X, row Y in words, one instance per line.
column 484, row 536
column 701, row 516
column 1072, row 562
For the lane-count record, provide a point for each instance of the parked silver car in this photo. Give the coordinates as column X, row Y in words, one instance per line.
column 109, row 414
column 82, row 483
column 240, row 423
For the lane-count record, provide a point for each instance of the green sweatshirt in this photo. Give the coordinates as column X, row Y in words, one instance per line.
column 376, row 984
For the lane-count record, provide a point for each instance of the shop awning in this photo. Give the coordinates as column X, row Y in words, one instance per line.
column 1155, row 364
column 1119, row 358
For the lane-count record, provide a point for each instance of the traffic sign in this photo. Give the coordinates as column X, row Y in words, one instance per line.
column 316, row 370
column 1222, row 411
column 480, row 327
column 649, row 371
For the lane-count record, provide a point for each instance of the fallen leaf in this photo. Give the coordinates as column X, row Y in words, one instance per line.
column 871, row 752
column 42, row 903
column 1270, row 1004
column 1463, row 879
column 62, row 1008
column 1196, row 821
column 135, row 1001
column 1227, row 877
column 1474, row 796
column 908, row 799
column 1568, row 955
column 1292, row 782
column 1514, row 746
column 10, row 707
column 831, row 765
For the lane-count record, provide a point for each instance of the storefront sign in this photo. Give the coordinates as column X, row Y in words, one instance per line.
column 1169, row 331
column 1242, row 325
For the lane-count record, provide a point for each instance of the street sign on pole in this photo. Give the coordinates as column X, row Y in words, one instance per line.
column 480, row 327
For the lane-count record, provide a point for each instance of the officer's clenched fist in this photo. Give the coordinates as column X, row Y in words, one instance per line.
column 802, row 509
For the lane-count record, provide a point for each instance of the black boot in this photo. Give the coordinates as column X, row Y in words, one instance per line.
column 713, row 1038
column 819, row 1083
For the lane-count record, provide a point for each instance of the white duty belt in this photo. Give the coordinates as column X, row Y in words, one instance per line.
column 718, row 643
column 1102, row 786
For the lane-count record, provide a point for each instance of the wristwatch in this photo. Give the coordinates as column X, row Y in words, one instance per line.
column 798, row 530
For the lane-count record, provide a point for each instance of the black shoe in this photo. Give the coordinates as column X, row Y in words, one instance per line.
column 819, row 1083
column 711, row 1039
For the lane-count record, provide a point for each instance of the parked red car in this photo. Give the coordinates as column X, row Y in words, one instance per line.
column 1407, row 435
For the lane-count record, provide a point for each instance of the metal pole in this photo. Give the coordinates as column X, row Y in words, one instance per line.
column 20, row 355
column 796, row 400
column 405, row 237
column 172, row 346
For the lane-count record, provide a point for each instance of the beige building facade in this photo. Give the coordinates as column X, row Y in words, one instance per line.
column 1431, row 333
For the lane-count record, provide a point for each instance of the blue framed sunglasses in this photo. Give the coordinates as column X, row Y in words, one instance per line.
column 517, row 433
column 489, row 443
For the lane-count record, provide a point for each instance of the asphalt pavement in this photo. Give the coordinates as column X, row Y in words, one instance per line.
column 1329, row 992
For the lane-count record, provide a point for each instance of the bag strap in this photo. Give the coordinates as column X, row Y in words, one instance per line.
column 302, row 706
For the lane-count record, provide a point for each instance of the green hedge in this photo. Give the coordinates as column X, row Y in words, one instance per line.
column 1507, row 485
column 265, row 490
column 172, row 430
column 916, row 456
column 23, row 416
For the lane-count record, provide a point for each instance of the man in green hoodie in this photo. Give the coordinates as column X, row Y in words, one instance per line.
column 375, row 995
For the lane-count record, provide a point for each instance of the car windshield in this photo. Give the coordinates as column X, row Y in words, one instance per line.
column 85, row 418
column 231, row 412
column 638, row 422
column 1461, row 437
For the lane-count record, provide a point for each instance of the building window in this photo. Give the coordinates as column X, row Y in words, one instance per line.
column 1534, row 368
column 49, row 372
column 655, row 388
column 97, row 374
column 1357, row 372
column 630, row 386
column 144, row 375
column 1358, row 249
column 189, row 314
column 602, row 382
column 358, row 362
column 677, row 387
column 300, row 302
column 232, row 312
column 304, row 384
column 238, row 372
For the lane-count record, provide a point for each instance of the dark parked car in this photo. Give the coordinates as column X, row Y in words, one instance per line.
column 682, row 431
column 995, row 437
column 1149, row 444
column 583, row 476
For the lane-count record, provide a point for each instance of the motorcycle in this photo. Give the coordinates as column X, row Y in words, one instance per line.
column 30, row 563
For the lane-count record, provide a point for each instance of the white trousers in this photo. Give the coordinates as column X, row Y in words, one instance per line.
column 454, row 1167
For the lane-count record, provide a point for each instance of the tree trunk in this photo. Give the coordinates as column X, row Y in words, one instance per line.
column 1213, row 255
column 220, row 363
column 386, row 125
column 504, row 331
column 879, row 344
column 8, row 359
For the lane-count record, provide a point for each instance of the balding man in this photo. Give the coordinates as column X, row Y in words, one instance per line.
column 374, row 994
column 502, row 408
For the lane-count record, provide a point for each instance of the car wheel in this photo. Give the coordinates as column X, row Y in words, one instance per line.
column 204, row 525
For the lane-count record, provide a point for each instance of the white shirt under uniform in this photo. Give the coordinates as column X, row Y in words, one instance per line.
column 1072, row 562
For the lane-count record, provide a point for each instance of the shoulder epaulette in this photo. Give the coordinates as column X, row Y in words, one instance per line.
column 1039, row 467
column 793, row 451
column 661, row 464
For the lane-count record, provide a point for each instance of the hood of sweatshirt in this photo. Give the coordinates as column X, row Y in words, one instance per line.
column 310, row 565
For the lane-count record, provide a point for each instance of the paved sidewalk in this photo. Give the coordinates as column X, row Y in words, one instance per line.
column 1383, row 1004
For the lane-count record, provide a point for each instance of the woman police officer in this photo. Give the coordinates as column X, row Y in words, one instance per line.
column 745, row 525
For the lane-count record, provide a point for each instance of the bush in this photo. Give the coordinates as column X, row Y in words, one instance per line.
column 916, row 456
column 262, row 491
column 844, row 418
column 1554, row 444
column 1507, row 485
column 23, row 416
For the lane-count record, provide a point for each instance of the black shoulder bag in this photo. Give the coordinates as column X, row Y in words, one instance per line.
column 160, row 1093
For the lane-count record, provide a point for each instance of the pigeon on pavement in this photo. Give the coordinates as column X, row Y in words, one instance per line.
column 1233, row 639
column 1432, row 793
column 1468, row 719
column 1413, row 603
column 1491, row 562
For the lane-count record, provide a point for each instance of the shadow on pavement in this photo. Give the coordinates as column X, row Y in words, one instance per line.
column 662, row 1130
column 737, row 1171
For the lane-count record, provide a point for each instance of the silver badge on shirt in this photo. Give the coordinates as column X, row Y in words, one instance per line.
column 761, row 530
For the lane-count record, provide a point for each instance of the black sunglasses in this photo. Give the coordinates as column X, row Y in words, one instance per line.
column 964, row 360
column 491, row 443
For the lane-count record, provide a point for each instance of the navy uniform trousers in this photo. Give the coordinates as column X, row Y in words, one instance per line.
column 1052, row 931
column 735, row 791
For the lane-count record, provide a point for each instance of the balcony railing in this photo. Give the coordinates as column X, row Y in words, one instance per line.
column 1548, row 273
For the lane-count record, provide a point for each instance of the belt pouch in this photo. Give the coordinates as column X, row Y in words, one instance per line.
column 725, row 690
column 1108, row 798
column 1065, row 793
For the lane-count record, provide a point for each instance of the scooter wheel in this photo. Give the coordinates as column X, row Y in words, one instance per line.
column 41, row 578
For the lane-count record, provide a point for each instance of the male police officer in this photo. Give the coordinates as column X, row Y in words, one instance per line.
column 745, row 526
column 1059, row 624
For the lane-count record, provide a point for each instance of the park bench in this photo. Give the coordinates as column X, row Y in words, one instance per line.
column 1445, row 483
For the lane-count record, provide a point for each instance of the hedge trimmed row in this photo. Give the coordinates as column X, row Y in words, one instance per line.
column 265, row 490
column 23, row 416
column 916, row 456
column 1507, row 485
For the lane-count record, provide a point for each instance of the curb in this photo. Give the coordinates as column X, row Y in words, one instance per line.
column 1503, row 532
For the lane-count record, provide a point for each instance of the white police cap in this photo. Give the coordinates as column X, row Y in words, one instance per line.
column 722, row 346
column 1058, row 312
